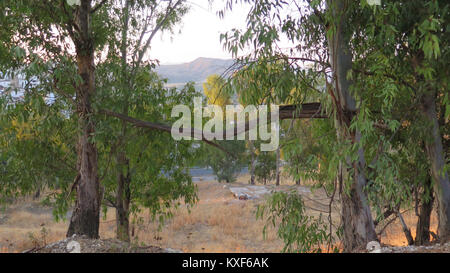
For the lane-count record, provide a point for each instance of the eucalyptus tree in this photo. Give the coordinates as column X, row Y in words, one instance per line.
column 50, row 37
column 341, row 41
column 404, row 54
column 58, row 46
column 127, row 86
column 154, row 174
column 320, row 36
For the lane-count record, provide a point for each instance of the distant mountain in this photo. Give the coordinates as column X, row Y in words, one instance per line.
column 196, row 71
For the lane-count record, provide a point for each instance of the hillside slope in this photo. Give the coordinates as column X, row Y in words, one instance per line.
column 196, row 71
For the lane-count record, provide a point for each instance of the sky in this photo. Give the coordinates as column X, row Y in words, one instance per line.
column 200, row 33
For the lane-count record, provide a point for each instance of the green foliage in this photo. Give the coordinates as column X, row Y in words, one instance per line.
column 399, row 52
column 225, row 166
column 265, row 167
column 299, row 232
column 39, row 131
column 157, row 166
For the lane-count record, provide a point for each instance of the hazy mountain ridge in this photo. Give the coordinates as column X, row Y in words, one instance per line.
column 196, row 71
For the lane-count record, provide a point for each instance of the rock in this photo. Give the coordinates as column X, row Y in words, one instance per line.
column 82, row 244
column 303, row 190
column 3, row 219
column 171, row 250
column 73, row 247
column 249, row 192
column 373, row 247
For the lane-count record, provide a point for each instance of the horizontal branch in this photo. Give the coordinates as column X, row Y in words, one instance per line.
column 306, row 110
column 157, row 126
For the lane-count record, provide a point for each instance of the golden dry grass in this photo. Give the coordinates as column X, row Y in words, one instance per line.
column 27, row 226
column 217, row 223
column 393, row 235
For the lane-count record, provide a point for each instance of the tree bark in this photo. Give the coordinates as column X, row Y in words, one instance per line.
column 436, row 156
column 357, row 222
column 426, row 207
column 85, row 218
column 123, row 195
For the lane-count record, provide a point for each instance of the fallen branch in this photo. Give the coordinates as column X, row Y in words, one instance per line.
column 406, row 230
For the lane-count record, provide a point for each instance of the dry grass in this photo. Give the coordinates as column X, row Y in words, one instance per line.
column 217, row 223
column 27, row 225
column 394, row 235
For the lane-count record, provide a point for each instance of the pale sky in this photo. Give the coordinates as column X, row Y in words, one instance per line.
column 200, row 33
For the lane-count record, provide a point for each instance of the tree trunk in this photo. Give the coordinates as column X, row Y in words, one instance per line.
column 299, row 180
column 435, row 154
column 85, row 218
column 253, row 163
column 426, row 207
column 277, row 177
column 123, row 197
column 357, row 222
column 37, row 194
column 123, row 204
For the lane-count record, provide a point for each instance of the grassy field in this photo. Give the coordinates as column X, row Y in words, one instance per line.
column 217, row 223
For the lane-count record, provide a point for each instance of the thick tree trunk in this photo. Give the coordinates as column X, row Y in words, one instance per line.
column 357, row 222
column 426, row 207
column 85, row 218
column 356, row 218
column 436, row 156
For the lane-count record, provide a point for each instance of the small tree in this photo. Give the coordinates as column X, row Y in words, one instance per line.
column 225, row 166
column 266, row 166
column 215, row 92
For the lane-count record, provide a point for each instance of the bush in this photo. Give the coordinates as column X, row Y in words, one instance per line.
column 225, row 166
column 265, row 168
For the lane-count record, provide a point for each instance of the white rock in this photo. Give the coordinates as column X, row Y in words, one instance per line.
column 73, row 247
column 373, row 247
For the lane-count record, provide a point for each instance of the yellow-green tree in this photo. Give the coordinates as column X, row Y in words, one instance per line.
column 214, row 91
